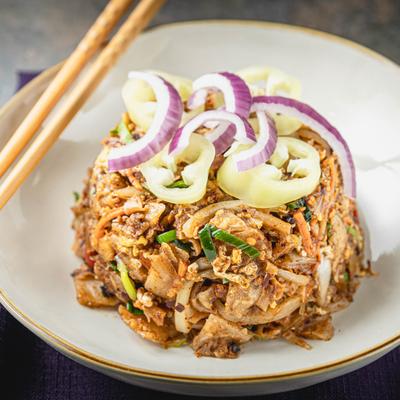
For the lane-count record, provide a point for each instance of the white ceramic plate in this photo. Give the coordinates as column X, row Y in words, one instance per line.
column 353, row 87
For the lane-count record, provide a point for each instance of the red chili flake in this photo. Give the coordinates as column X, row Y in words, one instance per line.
column 89, row 260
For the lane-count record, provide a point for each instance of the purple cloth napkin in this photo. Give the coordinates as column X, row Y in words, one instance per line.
column 31, row 370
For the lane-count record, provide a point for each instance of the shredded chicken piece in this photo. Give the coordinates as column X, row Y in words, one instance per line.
column 147, row 329
column 99, row 229
column 91, row 292
column 162, row 278
column 201, row 217
column 272, row 223
column 220, row 338
column 240, row 300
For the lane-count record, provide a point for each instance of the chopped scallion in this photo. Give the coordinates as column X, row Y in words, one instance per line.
column 328, row 229
column 166, row 237
column 129, row 306
column 113, row 265
column 76, row 196
column 178, row 184
column 353, row 232
column 132, row 309
column 294, row 205
column 183, row 245
column 225, row 281
column 233, row 240
column 123, row 132
column 114, row 132
column 127, row 283
column 346, row 276
column 207, row 243
column 178, row 343
column 300, row 203
column 307, row 214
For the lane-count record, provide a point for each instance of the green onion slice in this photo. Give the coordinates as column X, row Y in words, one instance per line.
column 129, row 306
column 113, row 266
column 233, row 240
column 207, row 243
column 77, row 196
column 294, row 205
column 353, row 232
column 183, row 245
column 300, row 203
column 178, row 184
column 132, row 309
column 307, row 214
column 178, row 343
column 166, row 237
column 127, row 283
column 123, row 132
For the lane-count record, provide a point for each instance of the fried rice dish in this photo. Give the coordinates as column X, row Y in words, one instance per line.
column 220, row 211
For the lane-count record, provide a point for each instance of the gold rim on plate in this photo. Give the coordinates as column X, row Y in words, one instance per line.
column 87, row 357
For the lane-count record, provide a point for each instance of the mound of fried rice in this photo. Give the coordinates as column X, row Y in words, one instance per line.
column 235, row 299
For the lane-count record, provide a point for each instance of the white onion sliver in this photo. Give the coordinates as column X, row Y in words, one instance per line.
column 182, row 298
column 166, row 120
column 243, row 132
column 324, row 272
column 311, row 118
column 263, row 149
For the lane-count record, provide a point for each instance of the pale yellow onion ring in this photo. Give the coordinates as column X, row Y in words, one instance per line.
column 159, row 172
column 140, row 101
column 262, row 186
column 274, row 82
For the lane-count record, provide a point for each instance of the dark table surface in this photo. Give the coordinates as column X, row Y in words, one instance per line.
column 37, row 33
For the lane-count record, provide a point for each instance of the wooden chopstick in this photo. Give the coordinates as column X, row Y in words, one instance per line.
column 67, row 74
column 135, row 23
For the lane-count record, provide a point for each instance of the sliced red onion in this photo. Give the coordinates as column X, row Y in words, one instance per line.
column 165, row 123
column 237, row 98
column 236, row 93
column 311, row 118
column 263, row 149
column 243, row 132
column 324, row 272
column 222, row 136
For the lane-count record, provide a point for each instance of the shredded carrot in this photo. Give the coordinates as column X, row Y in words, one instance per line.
column 304, row 232
column 99, row 229
column 311, row 200
column 269, row 221
column 329, row 196
column 333, row 173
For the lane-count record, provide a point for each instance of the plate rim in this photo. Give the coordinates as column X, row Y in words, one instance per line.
column 86, row 357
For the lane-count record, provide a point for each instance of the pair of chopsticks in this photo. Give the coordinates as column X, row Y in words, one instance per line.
column 134, row 24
